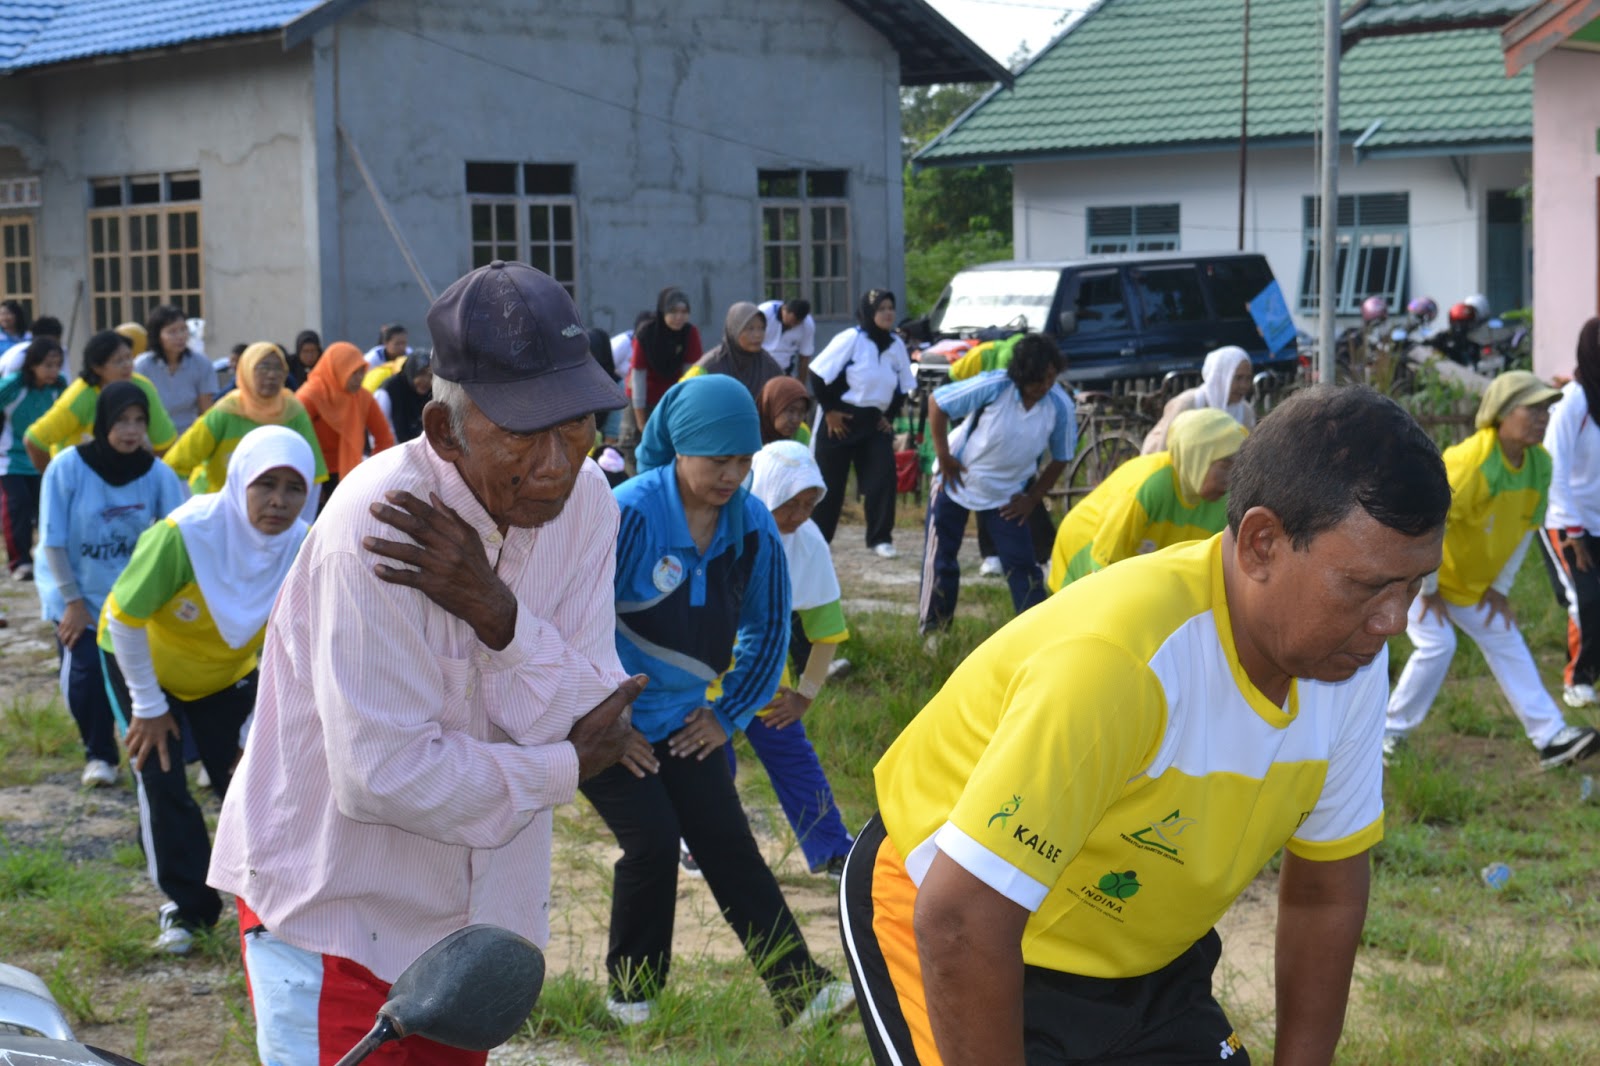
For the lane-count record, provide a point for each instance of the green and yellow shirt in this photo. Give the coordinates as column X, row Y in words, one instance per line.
column 71, row 421
column 1105, row 762
column 158, row 593
column 1137, row 509
column 201, row 454
column 1493, row 506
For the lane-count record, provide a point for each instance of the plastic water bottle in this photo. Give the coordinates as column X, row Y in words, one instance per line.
column 1495, row 875
column 1586, row 788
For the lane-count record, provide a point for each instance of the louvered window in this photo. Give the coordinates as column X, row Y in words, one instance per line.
column 1140, row 228
column 1371, row 256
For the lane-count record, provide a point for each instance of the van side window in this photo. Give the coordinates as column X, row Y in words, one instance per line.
column 1101, row 304
column 1170, row 294
column 1235, row 282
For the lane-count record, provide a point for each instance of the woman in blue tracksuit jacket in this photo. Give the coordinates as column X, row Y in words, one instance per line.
column 702, row 592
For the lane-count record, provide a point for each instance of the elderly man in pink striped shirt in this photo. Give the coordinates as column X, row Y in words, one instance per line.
column 425, row 699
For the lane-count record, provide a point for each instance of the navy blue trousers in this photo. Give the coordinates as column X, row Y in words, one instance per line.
column 941, row 573
column 802, row 788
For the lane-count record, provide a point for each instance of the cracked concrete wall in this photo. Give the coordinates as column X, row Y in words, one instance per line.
column 241, row 116
column 666, row 108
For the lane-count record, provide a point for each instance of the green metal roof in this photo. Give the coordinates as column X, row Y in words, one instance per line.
column 1156, row 76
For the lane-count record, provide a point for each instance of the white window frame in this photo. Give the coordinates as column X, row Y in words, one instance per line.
column 1367, row 222
column 521, row 244
column 169, row 259
column 1146, row 229
column 820, row 240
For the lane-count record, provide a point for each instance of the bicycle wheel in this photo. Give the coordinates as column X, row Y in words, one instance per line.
column 1096, row 459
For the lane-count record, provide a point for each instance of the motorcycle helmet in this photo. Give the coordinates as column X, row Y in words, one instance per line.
column 1479, row 304
column 1423, row 309
column 1374, row 309
column 1462, row 315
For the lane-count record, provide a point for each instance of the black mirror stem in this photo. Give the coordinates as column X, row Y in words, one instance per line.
column 383, row 1032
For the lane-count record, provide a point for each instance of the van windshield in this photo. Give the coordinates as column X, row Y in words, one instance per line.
column 979, row 299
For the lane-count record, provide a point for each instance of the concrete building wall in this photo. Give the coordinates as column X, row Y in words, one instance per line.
column 667, row 110
column 240, row 115
column 1566, row 177
column 1447, row 235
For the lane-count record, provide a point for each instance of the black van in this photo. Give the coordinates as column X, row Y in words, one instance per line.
column 1119, row 319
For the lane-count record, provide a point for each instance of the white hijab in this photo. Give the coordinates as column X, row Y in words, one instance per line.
column 238, row 568
column 1216, row 381
column 778, row 473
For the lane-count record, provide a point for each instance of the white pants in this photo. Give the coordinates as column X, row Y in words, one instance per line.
column 1503, row 648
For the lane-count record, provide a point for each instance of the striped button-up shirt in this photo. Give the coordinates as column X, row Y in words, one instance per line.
column 399, row 776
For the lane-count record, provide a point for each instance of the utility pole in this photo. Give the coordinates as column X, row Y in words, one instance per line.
column 1330, row 195
column 1244, row 121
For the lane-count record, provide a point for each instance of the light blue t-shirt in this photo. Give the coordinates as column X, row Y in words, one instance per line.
column 97, row 524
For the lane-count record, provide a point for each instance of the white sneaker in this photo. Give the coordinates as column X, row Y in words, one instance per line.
column 1580, row 696
column 174, row 938
column 202, row 779
column 835, row 998
column 1569, row 745
column 628, row 1014
column 886, row 551
column 838, row 668
column 23, row 573
column 687, row 863
column 990, row 567
column 98, row 773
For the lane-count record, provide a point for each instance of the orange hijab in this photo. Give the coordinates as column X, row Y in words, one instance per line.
column 339, row 410
column 246, row 402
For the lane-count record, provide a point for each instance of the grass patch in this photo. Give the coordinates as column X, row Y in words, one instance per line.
column 53, row 904
column 37, row 738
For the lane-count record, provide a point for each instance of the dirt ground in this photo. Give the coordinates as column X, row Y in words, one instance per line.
column 188, row 1020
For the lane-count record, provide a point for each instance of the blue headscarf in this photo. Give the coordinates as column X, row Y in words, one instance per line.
column 712, row 414
column 707, row 415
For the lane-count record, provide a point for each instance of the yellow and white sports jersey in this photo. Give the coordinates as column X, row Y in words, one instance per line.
column 1493, row 505
column 1105, row 762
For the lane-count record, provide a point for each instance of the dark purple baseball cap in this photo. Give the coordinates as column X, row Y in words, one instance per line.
column 509, row 335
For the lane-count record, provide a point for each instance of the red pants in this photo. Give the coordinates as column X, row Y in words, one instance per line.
column 313, row 1008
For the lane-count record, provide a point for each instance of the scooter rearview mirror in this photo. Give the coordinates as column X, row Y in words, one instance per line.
column 472, row 990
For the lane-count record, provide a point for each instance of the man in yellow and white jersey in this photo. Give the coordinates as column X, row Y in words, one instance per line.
column 1060, row 828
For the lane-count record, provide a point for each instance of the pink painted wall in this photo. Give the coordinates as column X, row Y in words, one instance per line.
column 1566, row 169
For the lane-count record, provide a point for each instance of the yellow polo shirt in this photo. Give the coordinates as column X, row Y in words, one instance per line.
column 1105, row 762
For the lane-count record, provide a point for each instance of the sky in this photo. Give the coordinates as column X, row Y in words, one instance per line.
column 1000, row 25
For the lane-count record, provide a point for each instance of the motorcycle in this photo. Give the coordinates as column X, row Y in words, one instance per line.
column 472, row 990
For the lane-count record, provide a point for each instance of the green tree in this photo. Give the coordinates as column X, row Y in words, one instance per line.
column 954, row 216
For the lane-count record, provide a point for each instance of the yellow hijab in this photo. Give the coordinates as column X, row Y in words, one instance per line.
column 246, row 402
column 1197, row 439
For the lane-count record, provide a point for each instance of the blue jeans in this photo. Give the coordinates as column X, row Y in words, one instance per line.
column 941, row 573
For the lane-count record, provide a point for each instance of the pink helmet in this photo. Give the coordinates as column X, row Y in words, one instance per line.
column 1374, row 309
column 1423, row 309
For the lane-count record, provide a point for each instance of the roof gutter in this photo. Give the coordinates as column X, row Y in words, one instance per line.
column 206, row 44
column 1348, row 39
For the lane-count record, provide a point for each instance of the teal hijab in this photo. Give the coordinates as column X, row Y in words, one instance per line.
column 708, row 415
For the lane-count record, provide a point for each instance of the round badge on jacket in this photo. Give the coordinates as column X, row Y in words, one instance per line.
column 668, row 573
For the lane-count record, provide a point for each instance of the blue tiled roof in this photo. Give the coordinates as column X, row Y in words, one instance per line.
column 36, row 32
